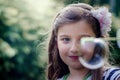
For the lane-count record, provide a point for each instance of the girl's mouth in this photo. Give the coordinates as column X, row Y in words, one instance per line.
column 74, row 57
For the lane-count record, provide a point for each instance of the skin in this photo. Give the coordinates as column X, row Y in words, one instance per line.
column 68, row 41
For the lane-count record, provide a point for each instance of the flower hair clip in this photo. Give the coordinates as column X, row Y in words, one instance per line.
column 104, row 18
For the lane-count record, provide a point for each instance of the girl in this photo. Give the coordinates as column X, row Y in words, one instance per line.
column 70, row 25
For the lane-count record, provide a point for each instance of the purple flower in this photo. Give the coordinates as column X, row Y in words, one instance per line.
column 104, row 18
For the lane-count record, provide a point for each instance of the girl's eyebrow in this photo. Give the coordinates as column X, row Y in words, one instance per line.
column 85, row 35
column 63, row 35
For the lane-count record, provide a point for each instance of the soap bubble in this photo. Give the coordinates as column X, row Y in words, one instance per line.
column 92, row 50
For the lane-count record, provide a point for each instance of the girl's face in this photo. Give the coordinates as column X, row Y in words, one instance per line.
column 68, row 42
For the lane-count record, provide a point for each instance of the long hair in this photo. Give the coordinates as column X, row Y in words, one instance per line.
column 70, row 14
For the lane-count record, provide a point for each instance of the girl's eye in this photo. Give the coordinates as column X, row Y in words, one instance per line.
column 65, row 39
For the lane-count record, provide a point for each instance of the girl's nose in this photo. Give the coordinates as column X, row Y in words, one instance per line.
column 74, row 48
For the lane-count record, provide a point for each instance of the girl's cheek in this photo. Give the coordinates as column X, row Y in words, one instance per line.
column 63, row 48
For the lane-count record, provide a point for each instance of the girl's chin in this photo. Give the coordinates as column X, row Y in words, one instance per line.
column 76, row 65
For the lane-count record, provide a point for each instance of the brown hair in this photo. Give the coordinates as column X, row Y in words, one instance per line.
column 70, row 14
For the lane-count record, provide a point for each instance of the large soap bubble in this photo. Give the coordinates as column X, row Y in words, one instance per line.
column 92, row 50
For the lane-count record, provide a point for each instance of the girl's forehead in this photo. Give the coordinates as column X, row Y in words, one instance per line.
column 81, row 27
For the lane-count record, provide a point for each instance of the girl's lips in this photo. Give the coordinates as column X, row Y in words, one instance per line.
column 74, row 57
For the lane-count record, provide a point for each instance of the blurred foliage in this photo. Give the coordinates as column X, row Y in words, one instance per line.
column 20, row 42
column 114, row 49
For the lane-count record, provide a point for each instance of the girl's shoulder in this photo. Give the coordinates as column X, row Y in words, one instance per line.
column 64, row 77
column 111, row 74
